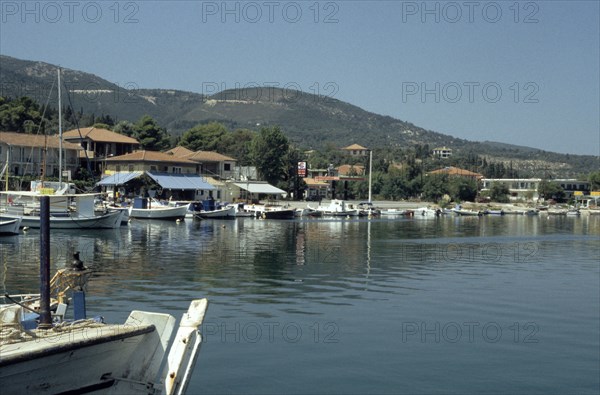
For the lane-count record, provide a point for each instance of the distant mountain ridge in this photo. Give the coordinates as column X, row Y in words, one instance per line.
column 308, row 120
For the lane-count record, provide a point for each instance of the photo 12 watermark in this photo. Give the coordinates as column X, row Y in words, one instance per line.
column 470, row 11
column 270, row 332
column 53, row 12
column 470, row 92
column 469, row 332
column 270, row 11
column 270, row 91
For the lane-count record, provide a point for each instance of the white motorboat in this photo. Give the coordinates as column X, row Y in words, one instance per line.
column 337, row 208
column 9, row 227
column 144, row 208
column 426, row 212
column 227, row 212
column 67, row 211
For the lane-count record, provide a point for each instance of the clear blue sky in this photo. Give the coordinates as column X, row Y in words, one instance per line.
column 526, row 72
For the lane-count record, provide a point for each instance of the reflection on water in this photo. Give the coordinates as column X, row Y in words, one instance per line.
column 355, row 306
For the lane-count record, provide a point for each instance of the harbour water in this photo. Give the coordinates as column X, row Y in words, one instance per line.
column 462, row 305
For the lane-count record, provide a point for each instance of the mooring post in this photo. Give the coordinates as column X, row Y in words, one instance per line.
column 45, row 315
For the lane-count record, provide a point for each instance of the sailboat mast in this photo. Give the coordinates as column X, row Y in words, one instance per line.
column 60, row 142
column 370, row 171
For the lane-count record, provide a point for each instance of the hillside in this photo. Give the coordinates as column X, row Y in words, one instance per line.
column 308, row 120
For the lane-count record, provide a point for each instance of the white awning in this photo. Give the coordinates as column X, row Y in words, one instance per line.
column 260, row 187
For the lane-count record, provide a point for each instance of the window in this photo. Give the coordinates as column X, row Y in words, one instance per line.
column 130, row 168
column 152, row 168
column 176, row 170
column 227, row 166
column 118, row 168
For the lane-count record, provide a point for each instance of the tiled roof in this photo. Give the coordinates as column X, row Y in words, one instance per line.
column 149, row 156
column 179, row 151
column 208, row 156
column 355, row 147
column 34, row 140
column 99, row 135
column 347, row 169
column 455, row 171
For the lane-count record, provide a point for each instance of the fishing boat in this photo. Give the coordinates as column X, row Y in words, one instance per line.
column 458, row 210
column 9, row 227
column 426, row 212
column 337, row 208
column 42, row 352
column 494, row 212
column 145, row 208
column 68, row 211
column 207, row 209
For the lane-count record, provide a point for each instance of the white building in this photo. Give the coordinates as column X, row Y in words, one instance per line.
column 519, row 188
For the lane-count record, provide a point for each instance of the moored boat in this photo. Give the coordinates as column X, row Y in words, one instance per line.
column 68, row 211
column 9, row 227
column 144, row 208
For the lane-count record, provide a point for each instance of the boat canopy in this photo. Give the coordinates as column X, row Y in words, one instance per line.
column 260, row 187
column 181, row 181
column 119, row 178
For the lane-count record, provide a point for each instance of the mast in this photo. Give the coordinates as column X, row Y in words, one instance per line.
column 370, row 171
column 60, row 142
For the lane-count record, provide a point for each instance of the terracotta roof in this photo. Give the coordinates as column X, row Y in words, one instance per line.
column 34, row 140
column 179, row 151
column 344, row 170
column 207, row 156
column 149, row 156
column 455, row 171
column 355, row 147
column 100, row 135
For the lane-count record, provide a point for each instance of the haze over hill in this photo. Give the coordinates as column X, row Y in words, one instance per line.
column 310, row 121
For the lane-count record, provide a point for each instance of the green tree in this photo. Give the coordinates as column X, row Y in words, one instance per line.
column 499, row 193
column 203, row 137
column 125, row 128
column 435, row 187
column 237, row 145
column 551, row 190
column 20, row 115
column 462, row 189
column 267, row 152
column 594, row 179
column 151, row 136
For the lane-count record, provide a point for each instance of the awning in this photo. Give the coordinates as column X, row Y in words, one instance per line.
column 119, row 178
column 260, row 187
column 180, row 181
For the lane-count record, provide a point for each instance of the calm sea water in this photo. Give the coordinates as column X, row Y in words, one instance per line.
column 414, row 306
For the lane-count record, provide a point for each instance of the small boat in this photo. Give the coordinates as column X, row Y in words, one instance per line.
column 393, row 211
column 337, row 208
column 458, row 210
column 366, row 209
column 68, row 211
column 9, row 227
column 144, row 208
column 494, row 212
column 240, row 211
column 207, row 209
column 573, row 212
column 426, row 212
column 219, row 213
column 557, row 211
column 278, row 213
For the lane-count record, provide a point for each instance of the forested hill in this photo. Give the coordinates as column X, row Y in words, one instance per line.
column 310, row 121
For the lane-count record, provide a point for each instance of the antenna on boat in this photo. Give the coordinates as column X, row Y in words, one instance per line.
column 60, row 139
